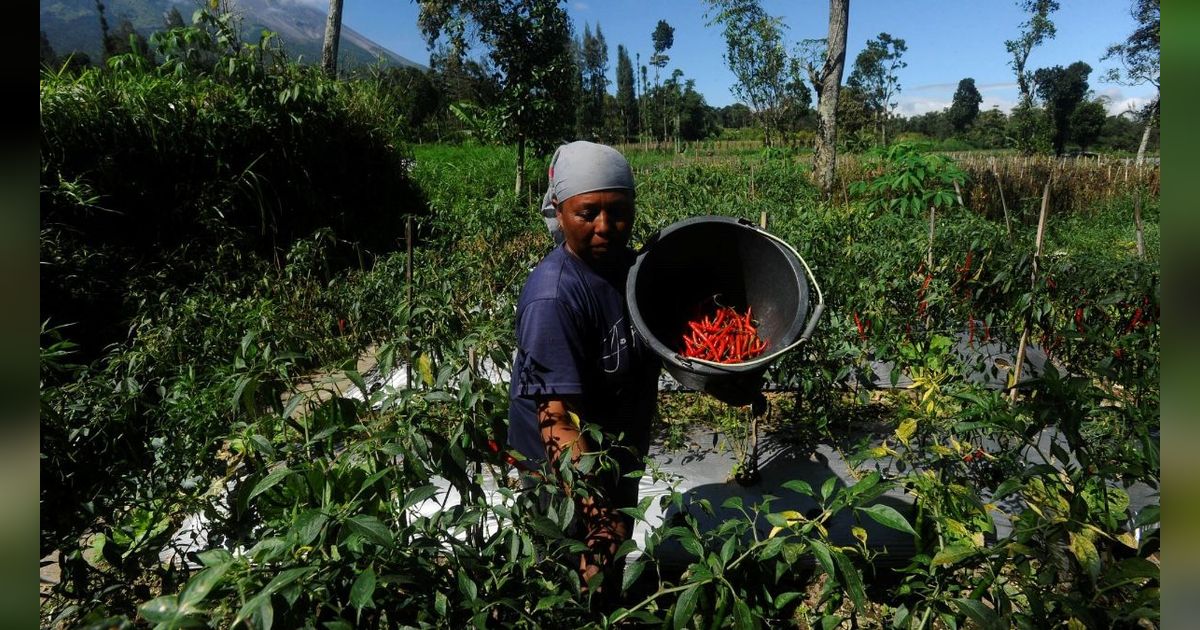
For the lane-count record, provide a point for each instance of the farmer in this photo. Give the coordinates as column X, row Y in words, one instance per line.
column 577, row 361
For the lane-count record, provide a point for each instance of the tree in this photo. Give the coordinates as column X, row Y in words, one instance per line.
column 593, row 66
column 1087, row 122
column 755, row 54
column 965, row 107
column 736, row 116
column 626, row 99
column 826, row 77
column 1139, row 55
column 47, row 56
column 874, row 75
column 1062, row 89
column 333, row 31
column 1037, row 29
column 990, row 129
column 663, row 38
column 172, row 19
column 529, row 45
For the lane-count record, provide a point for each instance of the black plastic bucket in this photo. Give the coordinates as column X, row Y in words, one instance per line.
column 697, row 259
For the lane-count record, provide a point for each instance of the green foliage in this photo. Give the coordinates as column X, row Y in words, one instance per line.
column 1062, row 90
column 911, row 181
column 964, row 109
column 323, row 494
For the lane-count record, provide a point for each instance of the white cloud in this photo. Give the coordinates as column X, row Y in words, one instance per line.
column 1117, row 103
column 580, row 6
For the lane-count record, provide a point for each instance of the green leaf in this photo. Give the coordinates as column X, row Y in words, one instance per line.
column 1128, row 571
column 851, row 579
column 266, row 483
column 162, row 610
column 693, row 546
column 199, row 586
column 214, row 557
column 742, row 619
column 632, row 573
column 308, row 526
column 799, row 486
column 1085, row 551
column 418, row 495
column 439, row 603
column 783, row 599
column 978, row 612
column 371, row 528
column 684, row 607
column 821, row 551
column 888, row 516
column 467, row 586
column 363, row 591
column 952, row 554
column 827, row 487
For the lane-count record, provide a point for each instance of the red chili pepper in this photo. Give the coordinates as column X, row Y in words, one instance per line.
column 971, row 330
column 1079, row 319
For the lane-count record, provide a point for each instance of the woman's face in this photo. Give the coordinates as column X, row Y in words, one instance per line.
column 597, row 224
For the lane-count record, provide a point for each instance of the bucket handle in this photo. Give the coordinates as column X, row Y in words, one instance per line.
column 808, row 328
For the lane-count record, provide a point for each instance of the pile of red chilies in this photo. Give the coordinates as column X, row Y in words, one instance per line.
column 725, row 337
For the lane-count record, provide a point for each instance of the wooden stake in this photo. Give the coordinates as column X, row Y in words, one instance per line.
column 1003, row 204
column 1037, row 255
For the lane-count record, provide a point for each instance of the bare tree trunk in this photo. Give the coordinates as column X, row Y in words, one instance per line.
column 333, row 32
column 825, row 151
column 1153, row 118
column 520, row 164
column 1037, row 255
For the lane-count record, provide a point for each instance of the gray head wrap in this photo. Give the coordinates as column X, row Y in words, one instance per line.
column 581, row 167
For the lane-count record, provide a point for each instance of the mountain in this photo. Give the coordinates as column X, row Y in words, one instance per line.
column 74, row 25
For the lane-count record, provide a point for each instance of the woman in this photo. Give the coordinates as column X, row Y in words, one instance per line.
column 577, row 361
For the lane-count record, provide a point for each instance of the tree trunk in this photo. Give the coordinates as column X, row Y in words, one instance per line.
column 520, row 164
column 333, row 32
column 1141, row 154
column 825, row 151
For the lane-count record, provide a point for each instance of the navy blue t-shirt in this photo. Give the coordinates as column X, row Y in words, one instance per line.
column 574, row 339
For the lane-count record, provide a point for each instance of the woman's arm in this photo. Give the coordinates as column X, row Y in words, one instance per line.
column 560, row 433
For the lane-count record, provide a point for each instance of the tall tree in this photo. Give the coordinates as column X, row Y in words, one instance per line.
column 874, row 75
column 1139, row 55
column 626, row 97
column 1062, row 89
column 1087, row 122
column 1037, row 29
column 593, row 66
column 333, row 32
column 754, row 52
column 663, row 39
column 529, row 43
column 825, row 62
column 965, row 106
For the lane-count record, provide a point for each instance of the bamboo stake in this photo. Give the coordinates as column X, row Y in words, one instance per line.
column 1003, row 204
column 1037, row 255
column 408, row 282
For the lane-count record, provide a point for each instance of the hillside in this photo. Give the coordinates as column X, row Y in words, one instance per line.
column 74, row 25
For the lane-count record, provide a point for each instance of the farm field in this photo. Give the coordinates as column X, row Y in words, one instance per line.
column 278, row 318
column 326, row 497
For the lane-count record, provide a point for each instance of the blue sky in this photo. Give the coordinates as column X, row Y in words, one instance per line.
column 947, row 40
